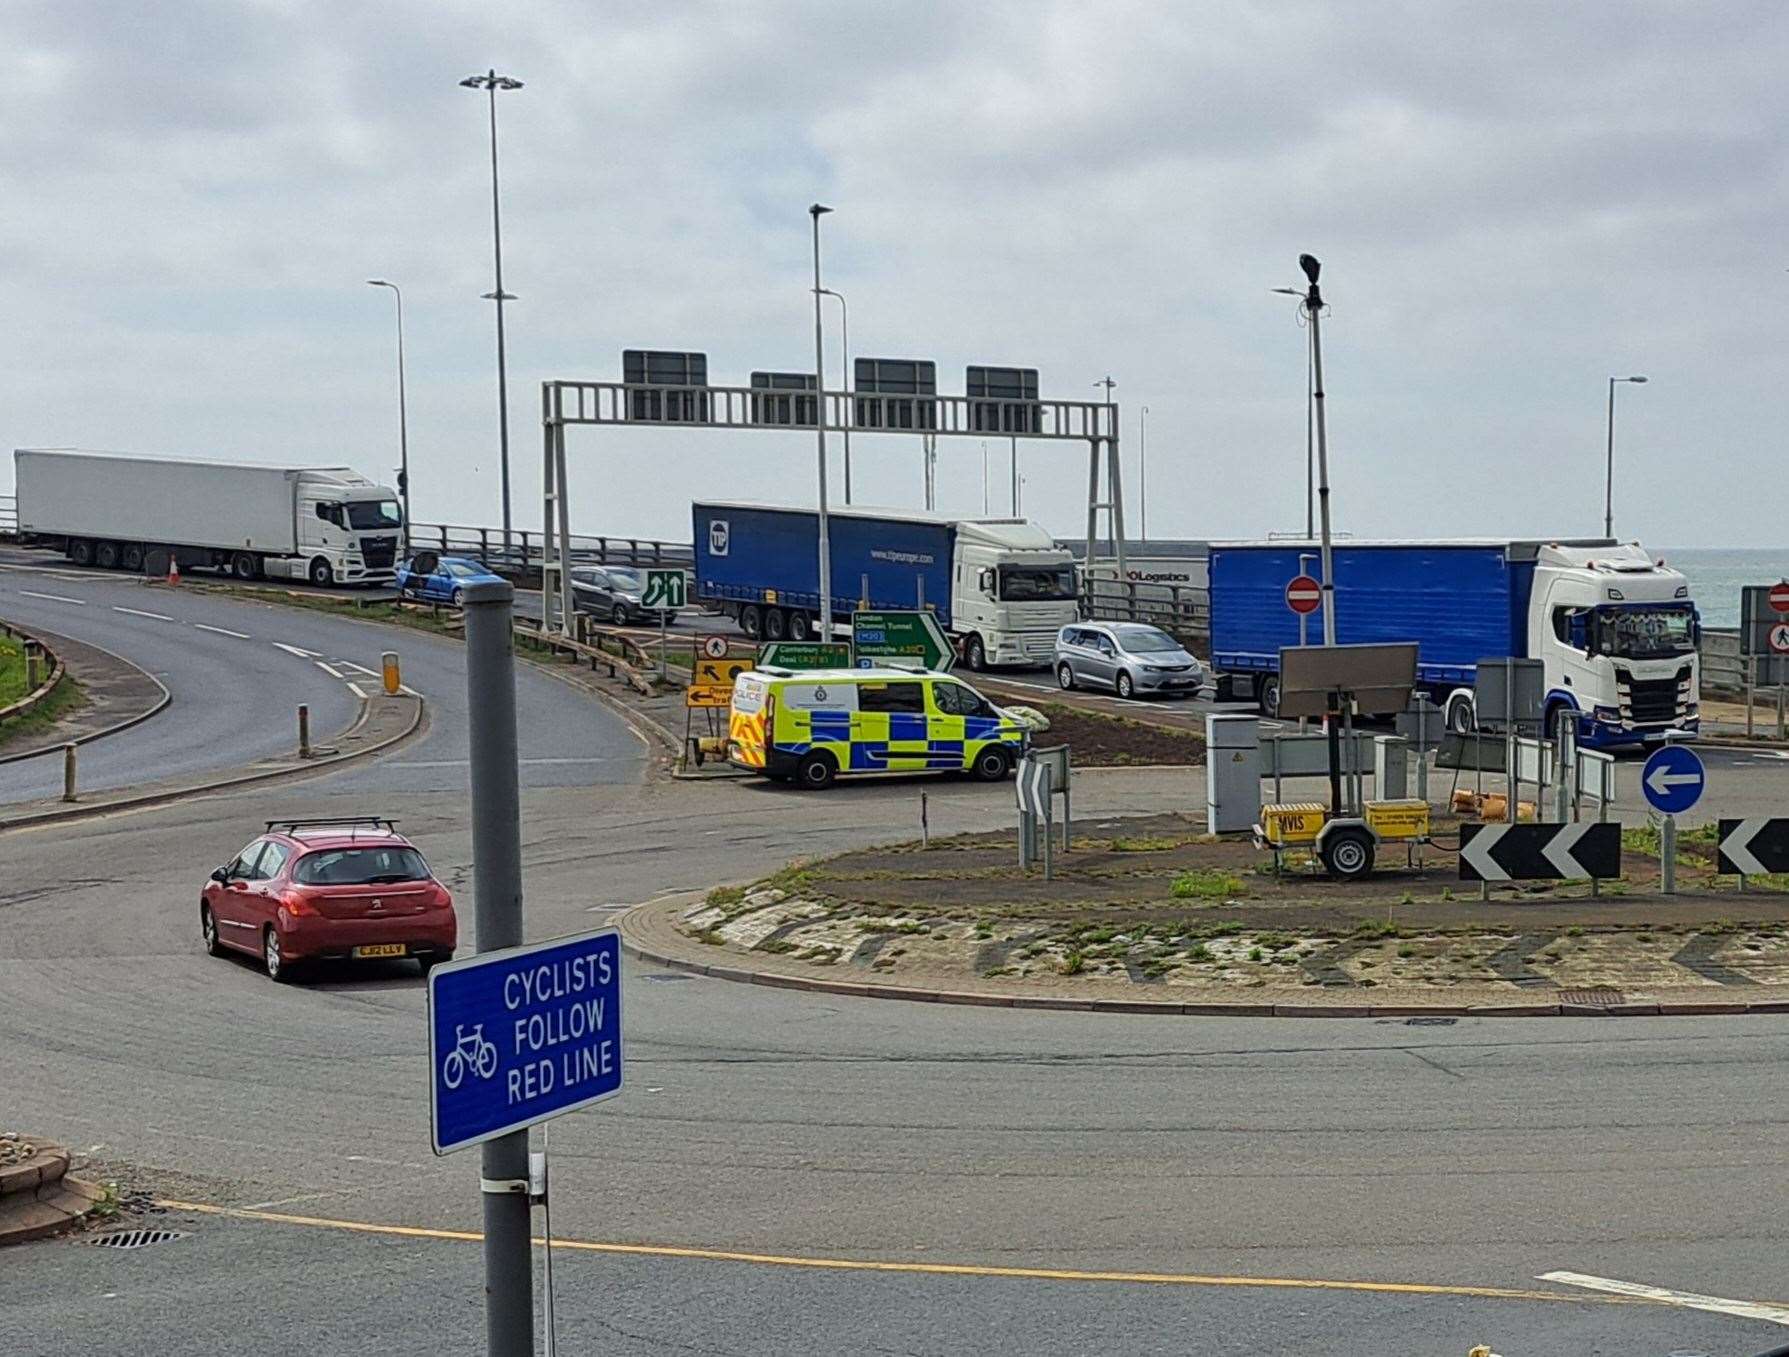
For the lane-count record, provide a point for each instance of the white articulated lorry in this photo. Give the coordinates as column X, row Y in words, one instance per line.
column 328, row 525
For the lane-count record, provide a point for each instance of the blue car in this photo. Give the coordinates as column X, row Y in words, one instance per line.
column 440, row 579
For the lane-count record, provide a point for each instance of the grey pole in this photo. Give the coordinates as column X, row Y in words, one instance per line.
column 1609, row 472
column 845, row 379
column 491, row 82
column 403, row 413
column 497, row 894
column 816, row 211
column 1313, row 304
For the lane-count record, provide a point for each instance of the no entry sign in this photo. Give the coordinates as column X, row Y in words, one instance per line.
column 1304, row 595
column 1779, row 596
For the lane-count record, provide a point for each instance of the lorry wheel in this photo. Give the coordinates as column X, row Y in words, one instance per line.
column 751, row 621
column 1348, row 853
column 321, row 573
column 776, row 624
column 1459, row 715
column 244, row 565
column 991, row 765
column 80, row 552
column 1267, row 695
column 815, row 772
column 800, row 628
column 130, row 556
column 975, row 655
column 105, row 556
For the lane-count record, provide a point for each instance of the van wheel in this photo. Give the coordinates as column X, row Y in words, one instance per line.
column 321, row 573
column 991, row 765
column 1348, row 853
column 1267, row 695
column 1459, row 715
column 105, row 556
column 1065, row 677
column 815, row 772
column 751, row 621
column 1126, row 685
column 975, row 655
column 80, row 552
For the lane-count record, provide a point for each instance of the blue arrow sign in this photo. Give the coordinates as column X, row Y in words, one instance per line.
column 1673, row 779
column 521, row 1035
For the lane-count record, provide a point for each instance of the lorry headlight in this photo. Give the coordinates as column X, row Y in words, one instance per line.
column 1609, row 714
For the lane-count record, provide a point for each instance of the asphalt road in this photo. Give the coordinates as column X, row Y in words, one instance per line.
column 1221, row 1157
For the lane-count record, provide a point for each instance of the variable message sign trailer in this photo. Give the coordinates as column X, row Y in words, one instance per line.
column 1001, row 588
column 329, row 525
column 1615, row 630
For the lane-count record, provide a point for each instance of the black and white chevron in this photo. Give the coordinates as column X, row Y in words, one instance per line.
column 1583, row 851
column 1755, row 846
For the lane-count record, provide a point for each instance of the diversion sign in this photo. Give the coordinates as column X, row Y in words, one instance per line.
column 522, row 1035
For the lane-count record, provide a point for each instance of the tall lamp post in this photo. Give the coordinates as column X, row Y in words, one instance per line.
column 845, row 377
column 403, row 414
column 1313, row 309
column 816, row 211
column 491, row 82
column 1310, row 459
column 1143, row 470
column 1609, row 477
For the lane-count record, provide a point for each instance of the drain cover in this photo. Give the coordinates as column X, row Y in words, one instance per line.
column 1600, row 997
column 134, row 1239
column 1430, row 1022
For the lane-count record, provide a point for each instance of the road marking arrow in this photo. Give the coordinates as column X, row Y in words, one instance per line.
column 1738, row 849
column 1661, row 781
column 1478, row 852
column 296, row 650
column 1558, row 851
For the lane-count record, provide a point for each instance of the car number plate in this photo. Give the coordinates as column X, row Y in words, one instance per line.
column 380, row 949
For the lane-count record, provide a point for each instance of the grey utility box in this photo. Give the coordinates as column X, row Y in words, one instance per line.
column 1232, row 773
column 1391, row 767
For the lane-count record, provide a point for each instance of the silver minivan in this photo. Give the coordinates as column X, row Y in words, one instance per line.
column 1130, row 658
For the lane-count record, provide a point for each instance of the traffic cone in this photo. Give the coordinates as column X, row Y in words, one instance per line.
column 173, row 569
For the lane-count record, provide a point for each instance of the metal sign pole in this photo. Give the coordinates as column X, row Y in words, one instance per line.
column 497, row 893
column 1045, row 792
column 1668, row 854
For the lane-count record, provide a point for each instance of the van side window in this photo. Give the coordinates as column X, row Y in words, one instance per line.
column 954, row 699
column 902, row 697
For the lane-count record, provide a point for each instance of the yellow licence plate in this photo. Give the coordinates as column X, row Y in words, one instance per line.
column 381, row 949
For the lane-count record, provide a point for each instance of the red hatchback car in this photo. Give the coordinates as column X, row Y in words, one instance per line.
column 307, row 890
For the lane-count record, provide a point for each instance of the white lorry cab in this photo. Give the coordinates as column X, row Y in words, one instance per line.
column 1014, row 589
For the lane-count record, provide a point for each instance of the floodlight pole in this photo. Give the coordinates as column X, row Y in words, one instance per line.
column 1313, row 306
column 816, row 211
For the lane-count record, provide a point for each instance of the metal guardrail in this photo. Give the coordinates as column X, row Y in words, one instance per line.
column 9, row 516
column 1182, row 610
column 1723, row 667
column 524, row 553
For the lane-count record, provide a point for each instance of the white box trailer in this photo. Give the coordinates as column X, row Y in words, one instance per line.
column 330, row 525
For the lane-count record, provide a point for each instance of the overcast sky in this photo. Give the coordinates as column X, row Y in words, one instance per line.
column 1512, row 203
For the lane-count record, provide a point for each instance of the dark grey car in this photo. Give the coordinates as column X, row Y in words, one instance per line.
column 1130, row 658
column 612, row 593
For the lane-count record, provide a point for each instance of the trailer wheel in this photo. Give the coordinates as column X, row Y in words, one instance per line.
column 751, row 621
column 1348, row 853
column 80, row 552
column 105, row 555
column 776, row 624
column 131, row 556
column 245, row 566
column 1459, row 715
column 1267, row 695
column 800, row 628
column 321, row 573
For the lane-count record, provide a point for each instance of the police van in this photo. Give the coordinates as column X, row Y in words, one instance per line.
column 809, row 726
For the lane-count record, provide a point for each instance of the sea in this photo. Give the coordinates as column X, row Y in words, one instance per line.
column 1716, row 575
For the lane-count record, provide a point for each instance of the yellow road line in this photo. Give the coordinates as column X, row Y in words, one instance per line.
column 930, row 1269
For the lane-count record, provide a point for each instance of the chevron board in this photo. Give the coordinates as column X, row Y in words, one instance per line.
column 1583, row 851
column 1754, row 846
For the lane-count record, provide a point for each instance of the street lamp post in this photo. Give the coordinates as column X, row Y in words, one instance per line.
column 1609, row 476
column 1313, row 307
column 1143, row 471
column 403, row 414
column 491, row 82
column 1310, row 468
column 845, row 377
column 816, row 211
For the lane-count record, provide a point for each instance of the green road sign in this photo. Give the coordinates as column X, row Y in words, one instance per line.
column 805, row 655
column 665, row 589
column 907, row 639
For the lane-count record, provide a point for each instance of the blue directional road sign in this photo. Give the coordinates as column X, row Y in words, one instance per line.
column 522, row 1035
column 1673, row 779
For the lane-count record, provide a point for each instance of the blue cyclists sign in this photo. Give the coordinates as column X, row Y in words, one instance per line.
column 522, row 1035
column 1673, row 779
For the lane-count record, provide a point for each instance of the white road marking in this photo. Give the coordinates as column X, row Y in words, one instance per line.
column 406, row 688
column 360, row 669
column 356, row 689
column 223, row 631
column 1689, row 1300
column 54, row 598
column 462, row 763
column 299, row 651
column 328, row 669
column 138, row 612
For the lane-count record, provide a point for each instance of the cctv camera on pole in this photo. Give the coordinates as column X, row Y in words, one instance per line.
column 1313, row 306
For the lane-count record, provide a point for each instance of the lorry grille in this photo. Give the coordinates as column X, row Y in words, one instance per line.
column 1647, row 702
column 379, row 553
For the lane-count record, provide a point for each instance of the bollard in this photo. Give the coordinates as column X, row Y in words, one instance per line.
column 393, row 679
column 925, row 828
column 304, row 731
column 68, row 772
column 1780, row 712
column 33, row 661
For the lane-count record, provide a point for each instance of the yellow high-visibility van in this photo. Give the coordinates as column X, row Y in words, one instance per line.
column 809, row 726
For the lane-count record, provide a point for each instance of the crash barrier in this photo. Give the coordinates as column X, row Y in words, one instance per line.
column 1042, row 776
column 523, row 555
column 43, row 671
column 1591, row 774
column 1589, row 850
column 617, row 667
column 1183, row 610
